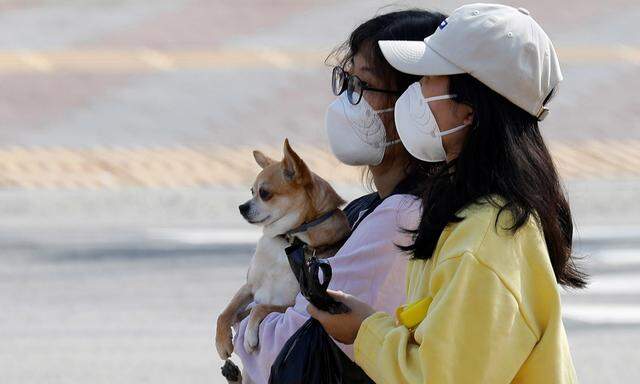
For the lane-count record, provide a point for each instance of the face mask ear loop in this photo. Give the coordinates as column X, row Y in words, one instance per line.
column 393, row 142
column 452, row 130
column 384, row 110
column 442, row 97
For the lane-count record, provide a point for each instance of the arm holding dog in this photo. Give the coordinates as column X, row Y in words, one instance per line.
column 288, row 200
column 229, row 316
column 368, row 266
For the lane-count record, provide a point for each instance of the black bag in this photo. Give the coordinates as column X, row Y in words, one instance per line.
column 310, row 355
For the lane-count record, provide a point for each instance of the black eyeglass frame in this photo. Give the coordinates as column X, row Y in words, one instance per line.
column 348, row 83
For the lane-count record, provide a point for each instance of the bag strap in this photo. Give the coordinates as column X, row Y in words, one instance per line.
column 403, row 187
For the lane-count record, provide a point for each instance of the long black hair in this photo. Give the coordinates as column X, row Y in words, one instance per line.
column 503, row 155
column 410, row 24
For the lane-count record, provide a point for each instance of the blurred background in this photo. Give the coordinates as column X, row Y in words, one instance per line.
column 125, row 149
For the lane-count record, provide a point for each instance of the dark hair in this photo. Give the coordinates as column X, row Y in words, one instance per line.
column 410, row 24
column 503, row 156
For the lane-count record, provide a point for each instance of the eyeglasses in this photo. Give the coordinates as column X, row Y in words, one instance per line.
column 341, row 81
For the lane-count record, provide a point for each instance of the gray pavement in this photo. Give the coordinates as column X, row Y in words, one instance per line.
column 131, row 307
column 125, row 315
column 595, row 204
column 229, row 105
column 124, row 287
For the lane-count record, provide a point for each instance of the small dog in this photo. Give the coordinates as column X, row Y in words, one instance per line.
column 288, row 201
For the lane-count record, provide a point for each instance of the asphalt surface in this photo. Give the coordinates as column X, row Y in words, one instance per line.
column 251, row 104
column 123, row 285
column 139, row 306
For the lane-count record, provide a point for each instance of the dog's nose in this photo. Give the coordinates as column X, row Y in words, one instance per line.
column 244, row 208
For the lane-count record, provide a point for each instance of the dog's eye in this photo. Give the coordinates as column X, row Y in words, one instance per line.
column 264, row 194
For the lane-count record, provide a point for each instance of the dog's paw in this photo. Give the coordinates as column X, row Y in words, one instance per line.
column 225, row 349
column 224, row 344
column 231, row 372
column 251, row 339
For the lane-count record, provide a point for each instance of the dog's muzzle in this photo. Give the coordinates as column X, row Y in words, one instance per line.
column 244, row 209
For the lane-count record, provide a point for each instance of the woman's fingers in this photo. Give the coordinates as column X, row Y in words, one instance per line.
column 342, row 327
column 313, row 311
column 328, row 321
column 337, row 294
column 316, row 313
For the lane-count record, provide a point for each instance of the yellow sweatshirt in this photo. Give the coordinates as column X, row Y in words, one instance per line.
column 494, row 314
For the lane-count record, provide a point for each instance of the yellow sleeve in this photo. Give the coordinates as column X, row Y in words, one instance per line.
column 473, row 332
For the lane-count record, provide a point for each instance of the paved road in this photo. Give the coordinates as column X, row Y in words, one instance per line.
column 134, row 307
column 109, row 102
column 173, row 94
column 603, row 322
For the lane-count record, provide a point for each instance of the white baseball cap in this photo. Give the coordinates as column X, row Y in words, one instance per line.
column 501, row 46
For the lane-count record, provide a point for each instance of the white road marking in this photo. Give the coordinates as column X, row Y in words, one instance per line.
column 618, row 257
column 157, row 59
column 128, row 60
column 594, row 306
column 602, row 313
column 178, row 166
column 209, row 236
column 607, row 232
column 618, row 283
column 629, row 53
column 36, row 61
column 277, row 59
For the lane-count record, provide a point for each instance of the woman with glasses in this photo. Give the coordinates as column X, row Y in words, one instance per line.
column 361, row 132
column 342, row 81
column 495, row 237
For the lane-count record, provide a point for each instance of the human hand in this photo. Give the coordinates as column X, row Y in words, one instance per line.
column 343, row 327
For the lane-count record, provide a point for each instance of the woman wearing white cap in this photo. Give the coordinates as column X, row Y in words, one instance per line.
column 496, row 230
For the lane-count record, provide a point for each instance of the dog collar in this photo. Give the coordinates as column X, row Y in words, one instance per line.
column 305, row 226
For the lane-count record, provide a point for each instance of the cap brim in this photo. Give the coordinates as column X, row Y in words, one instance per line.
column 417, row 58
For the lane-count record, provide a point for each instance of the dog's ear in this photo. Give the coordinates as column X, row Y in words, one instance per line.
column 262, row 159
column 293, row 168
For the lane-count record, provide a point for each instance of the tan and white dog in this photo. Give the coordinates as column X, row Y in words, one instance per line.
column 287, row 198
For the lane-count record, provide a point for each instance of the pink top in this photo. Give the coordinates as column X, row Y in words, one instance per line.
column 369, row 266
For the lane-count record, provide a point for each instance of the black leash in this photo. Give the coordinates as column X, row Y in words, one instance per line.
column 306, row 268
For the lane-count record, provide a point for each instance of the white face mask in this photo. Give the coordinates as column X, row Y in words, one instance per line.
column 356, row 132
column 417, row 126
